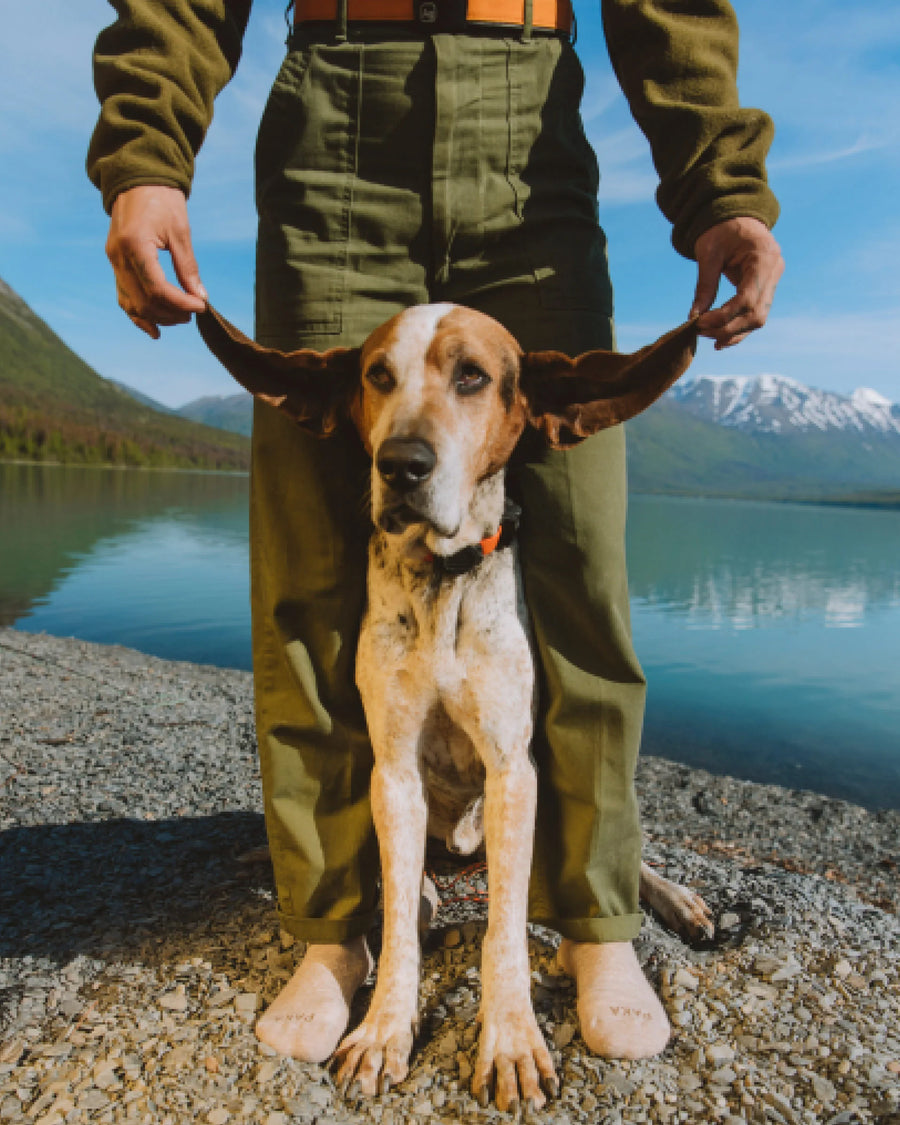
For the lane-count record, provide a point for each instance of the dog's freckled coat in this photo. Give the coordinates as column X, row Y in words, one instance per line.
column 444, row 664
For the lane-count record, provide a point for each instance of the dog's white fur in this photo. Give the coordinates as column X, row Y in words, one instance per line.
column 446, row 674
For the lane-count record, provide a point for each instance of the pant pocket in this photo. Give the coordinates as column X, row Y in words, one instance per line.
column 304, row 168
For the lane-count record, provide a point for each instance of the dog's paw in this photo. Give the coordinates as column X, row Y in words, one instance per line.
column 690, row 916
column 375, row 1056
column 514, row 1060
column 681, row 908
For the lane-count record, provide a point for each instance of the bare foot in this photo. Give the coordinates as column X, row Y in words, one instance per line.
column 621, row 1016
column 308, row 1017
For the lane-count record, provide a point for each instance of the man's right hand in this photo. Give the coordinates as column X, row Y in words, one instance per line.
column 146, row 220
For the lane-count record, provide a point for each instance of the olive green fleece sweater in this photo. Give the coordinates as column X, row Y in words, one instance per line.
column 159, row 67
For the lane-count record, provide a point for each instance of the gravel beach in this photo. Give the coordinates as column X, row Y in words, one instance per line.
column 138, row 938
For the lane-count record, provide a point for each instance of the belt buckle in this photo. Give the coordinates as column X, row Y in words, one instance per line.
column 441, row 15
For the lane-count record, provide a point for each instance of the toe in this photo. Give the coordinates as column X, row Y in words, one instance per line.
column 529, row 1083
column 481, row 1082
column 369, row 1070
column 348, row 1057
column 396, row 1060
column 507, row 1087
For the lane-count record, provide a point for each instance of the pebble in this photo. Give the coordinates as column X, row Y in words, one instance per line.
column 563, row 1035
column 174, row 1001
column 684, row 978
column 138, row 948
column 824, row 1090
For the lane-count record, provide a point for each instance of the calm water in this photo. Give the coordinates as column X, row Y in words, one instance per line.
column 770, row 634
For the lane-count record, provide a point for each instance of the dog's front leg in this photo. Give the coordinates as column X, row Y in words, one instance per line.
column 376, row 1054
column 511, row 1044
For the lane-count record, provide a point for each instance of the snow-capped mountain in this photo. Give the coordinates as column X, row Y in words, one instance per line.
column 779, row 405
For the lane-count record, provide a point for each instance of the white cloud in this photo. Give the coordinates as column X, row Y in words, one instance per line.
column 627, row 174
column 826, row 73
column 601, row 93
column 801, row 160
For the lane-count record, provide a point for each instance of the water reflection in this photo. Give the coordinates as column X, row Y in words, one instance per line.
column 770, row 637
column 743, row 565
column 154, row 560
column 770, row 633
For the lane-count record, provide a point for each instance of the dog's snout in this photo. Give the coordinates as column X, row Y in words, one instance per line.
column 405, row 463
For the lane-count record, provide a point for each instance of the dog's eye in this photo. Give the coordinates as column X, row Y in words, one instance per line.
column 381, row 378
column 469, row 378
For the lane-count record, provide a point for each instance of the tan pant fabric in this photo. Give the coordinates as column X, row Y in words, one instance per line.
column 389, row 174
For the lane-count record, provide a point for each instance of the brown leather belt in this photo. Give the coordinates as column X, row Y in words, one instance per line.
column 430, row 16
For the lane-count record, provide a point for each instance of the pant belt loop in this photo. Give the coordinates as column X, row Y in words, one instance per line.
column 341, row 34
column 529, row 21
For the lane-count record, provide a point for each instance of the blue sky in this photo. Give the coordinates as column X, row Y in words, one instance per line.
column 829, row 74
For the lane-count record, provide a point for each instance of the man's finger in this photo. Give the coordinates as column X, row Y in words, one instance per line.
column 145, row 326
column 731, row 341
column 724, row 323
column 742, row 250
column 185, row 264
column 145, row 220
column 157, row 290
column 131, row 304
column 709, row 272
column 135, row 305
column 747, row 311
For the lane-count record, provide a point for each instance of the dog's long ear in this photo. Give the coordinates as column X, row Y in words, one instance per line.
column 313, row 388
column 570, row 399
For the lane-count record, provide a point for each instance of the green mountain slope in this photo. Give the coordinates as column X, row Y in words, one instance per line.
column 229, row 412
column 54, row 407
column 672, row 451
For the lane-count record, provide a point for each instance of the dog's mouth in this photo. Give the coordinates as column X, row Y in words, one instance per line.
column 395, row 517
column 398, row 517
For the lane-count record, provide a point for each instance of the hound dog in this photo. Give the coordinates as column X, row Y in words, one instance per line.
column 440, row 395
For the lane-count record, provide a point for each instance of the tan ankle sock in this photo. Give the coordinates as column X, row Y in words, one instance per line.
column 621, row 1016
column 308, row 1017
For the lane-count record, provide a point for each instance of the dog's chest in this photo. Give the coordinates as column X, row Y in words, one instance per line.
column 442, row 632
column 453, row 655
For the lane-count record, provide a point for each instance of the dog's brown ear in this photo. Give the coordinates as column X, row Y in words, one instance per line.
column 313, row 388
column 570, row 399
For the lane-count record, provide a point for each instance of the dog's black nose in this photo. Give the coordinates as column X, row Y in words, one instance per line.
column 405, row 463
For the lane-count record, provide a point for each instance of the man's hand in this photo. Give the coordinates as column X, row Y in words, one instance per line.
column 144, row 221
column 745, row 252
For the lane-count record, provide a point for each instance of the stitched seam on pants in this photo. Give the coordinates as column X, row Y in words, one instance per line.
column 351, row 164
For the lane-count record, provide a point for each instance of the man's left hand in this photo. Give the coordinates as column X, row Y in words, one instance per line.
column 744, row 251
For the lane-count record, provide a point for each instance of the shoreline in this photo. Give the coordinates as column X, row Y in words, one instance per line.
column 140, row 939
column 123, row 468
column 889, row 501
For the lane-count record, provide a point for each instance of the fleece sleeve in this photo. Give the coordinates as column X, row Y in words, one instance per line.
column 157, row 70
column 676, row 61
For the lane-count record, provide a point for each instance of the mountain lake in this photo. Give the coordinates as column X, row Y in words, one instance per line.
column 769, row 632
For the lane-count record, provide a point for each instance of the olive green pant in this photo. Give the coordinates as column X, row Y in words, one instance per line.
column 391, row 174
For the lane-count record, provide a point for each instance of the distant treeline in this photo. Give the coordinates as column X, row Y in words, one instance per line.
column 27, row 434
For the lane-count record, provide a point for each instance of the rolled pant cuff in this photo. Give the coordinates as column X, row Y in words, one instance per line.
column 623, row 927
column 325, row 931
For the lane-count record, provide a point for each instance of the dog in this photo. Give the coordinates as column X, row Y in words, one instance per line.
column 440, row 395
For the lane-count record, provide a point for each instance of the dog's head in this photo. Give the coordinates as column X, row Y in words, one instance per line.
column 440, row 395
